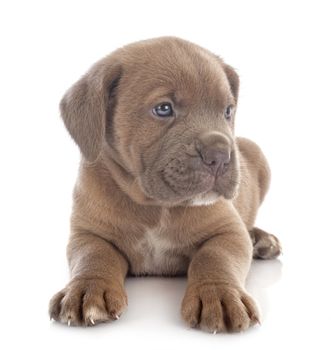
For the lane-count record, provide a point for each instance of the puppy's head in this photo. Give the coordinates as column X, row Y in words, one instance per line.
column 162, row 111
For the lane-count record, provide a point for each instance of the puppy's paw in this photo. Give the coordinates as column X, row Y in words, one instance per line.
column 265, row 245
column 219, row 308
column 87, row 302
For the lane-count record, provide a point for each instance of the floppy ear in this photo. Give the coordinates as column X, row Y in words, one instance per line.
column 233, row 80
column 84, row 107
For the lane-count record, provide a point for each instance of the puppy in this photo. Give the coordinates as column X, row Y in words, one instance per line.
column 164, row 187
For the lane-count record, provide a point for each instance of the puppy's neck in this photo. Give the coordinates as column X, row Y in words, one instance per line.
column 126, row 182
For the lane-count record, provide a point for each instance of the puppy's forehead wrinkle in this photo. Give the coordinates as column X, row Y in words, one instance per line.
column 178, row 65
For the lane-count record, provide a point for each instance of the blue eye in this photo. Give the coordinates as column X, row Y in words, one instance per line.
column 228, row 112
column 163, row 110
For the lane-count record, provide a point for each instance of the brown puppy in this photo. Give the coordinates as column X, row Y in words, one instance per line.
column 164, row 186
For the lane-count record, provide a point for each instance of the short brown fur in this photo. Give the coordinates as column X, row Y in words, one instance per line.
column 149, row 199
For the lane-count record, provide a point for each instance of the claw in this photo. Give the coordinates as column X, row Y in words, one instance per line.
column 92, row 321
column 215, row 331
column 117, row 317
column 69, row 322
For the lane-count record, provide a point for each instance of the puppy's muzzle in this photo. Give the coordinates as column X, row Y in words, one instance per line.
column 214, row 150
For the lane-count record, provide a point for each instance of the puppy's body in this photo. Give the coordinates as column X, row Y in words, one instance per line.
column 162, row 194
column 161, row 240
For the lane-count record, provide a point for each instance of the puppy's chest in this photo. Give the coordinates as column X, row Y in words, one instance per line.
column 159, row 251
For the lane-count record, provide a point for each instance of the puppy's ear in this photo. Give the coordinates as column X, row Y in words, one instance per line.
column 233, row 80
column 84, row 106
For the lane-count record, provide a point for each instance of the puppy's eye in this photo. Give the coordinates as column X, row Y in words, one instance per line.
column 228, row 112
column 163, row 110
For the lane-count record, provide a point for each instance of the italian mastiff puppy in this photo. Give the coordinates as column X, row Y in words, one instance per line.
column 164, row 187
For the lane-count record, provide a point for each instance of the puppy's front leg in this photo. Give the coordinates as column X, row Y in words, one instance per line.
column 215, row 298
column 96, row 290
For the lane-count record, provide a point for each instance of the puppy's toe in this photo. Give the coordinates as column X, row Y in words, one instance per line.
column 55, row 305
column 191, row 310
column 94, row 315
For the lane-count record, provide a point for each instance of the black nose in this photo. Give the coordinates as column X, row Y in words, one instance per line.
column 217, row 160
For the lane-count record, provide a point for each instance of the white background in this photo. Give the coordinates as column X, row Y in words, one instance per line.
column 281, row 51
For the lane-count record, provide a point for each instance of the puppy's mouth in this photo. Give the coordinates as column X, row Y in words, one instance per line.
column 180, row 182
column 198, row 182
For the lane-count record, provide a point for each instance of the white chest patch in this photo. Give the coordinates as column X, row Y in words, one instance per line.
column 157, row 248
column 157, row 251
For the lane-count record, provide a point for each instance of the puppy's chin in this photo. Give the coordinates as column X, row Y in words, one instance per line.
column 208, row 198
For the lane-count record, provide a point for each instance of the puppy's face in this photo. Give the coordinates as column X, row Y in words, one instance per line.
column 163, row 111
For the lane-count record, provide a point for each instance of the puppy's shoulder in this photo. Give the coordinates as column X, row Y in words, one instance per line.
column 255, row 162
column 248, row 148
